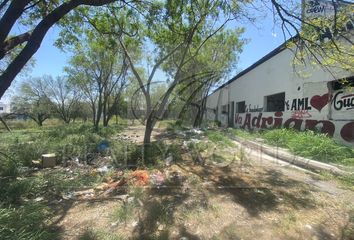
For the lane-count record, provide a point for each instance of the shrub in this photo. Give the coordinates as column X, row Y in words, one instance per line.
column 279, row 137
column 219, row 138
column 310, row 144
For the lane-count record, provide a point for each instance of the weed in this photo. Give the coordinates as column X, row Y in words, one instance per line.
column 25, row 222
column 306, row 144
column 288, row 221
column 219, row 138
column 124, row 213
column 91, row 234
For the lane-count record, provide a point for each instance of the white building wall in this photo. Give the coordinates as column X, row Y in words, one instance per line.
column 308, row 85
column 4, row 108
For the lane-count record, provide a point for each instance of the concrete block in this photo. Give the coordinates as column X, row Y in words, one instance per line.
column 49, row 160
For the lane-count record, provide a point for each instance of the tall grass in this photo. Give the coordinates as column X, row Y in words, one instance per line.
column 308, row 144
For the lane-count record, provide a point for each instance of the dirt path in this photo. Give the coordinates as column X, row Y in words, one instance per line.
column 242, row 200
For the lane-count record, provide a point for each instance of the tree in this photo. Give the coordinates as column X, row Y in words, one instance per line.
column 172, row 35
column 64, row 97
column 99, row 70
column 37, row 16
column 219, row 55
column 178, row 32
column 32, row 100
column 321, row 40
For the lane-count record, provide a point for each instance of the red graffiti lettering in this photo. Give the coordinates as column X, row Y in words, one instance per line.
column 293, row 123
column 247, row 122
column 266, row 121
column 256, row 121
column 278, row 121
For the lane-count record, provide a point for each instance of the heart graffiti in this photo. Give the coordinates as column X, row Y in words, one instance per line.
column 319, row 102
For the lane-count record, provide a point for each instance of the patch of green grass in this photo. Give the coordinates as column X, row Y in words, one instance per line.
column 306, row 144
column 312, row 145
column 219, row 138
column 91, row 234
column 124, row 213
column 25, row 222
column 127, row 210
column 288, row 221
column 241, row 133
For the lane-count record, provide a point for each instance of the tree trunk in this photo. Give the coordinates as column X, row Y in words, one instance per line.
column 148, row 157
column 5, row 124
column 37, row 36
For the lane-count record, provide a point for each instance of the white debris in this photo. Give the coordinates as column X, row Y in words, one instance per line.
column 168, row 160
column 196, row 131
column 308, row 226
column 38, row 199
column 193, row 140
column 103, row 169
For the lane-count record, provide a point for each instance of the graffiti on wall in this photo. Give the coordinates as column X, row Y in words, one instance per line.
column 317, row 102
column 279, row 119
column 301, row 114
column 343, row 101
column 298, row 104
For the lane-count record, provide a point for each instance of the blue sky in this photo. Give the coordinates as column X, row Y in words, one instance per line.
column 263, row 37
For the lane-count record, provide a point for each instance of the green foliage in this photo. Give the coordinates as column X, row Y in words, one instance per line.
column 305, row 143
column 125, row 153
column 310, row 144
column 326, row 41
column 241, row 133
column 91, row 234
column 124, row 213
column 68, row 141
column 25, row 222
column 219, row 138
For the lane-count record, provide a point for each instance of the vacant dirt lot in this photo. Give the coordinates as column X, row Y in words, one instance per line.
column 245, row 199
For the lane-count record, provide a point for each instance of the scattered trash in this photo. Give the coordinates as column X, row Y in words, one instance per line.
column 130, row 199
column 160, row 227
column 181, row 133
column 38, row 199
column 114, row 224
column 308, row 226
column 135, row 223
column 36, row 163
column 68, row 196
column 157, row 178
column 168, row 160
column 103, row 146
column 140, row 177
column 84, row 194
column 196, row 131
column 103, row 169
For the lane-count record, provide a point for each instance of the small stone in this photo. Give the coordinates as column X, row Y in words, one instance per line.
column 38, row 199
column 114, row 224
column 308, row 226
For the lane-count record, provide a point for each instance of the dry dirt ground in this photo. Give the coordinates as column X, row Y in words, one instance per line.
column 242, row 200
